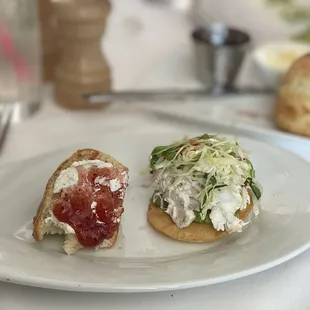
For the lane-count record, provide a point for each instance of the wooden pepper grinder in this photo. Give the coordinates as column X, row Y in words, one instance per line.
column 81, row 66
column 48, row 25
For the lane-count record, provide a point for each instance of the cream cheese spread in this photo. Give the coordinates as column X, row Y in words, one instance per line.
column 69, row 177
column 94, row 162
column 114, row 184
column 52, row 221
column 66, row 178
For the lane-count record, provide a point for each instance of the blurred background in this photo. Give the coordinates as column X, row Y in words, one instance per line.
column 66, row 64
column 74, row 71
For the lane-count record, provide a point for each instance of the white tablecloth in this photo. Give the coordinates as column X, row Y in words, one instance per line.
column 147, row 47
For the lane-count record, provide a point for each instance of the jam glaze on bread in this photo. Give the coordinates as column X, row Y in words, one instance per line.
column 83, row 200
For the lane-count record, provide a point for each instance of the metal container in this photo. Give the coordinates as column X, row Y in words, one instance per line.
column 219, row 53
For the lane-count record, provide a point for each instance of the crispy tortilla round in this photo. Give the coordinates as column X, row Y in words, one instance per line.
column 194, row 233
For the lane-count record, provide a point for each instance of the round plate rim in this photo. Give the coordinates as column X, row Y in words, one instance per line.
column 95, row 287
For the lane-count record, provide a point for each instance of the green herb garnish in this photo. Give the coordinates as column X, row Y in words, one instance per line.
column 210, row 163
column 158, row 201
column 200, row 219
column 254, row 188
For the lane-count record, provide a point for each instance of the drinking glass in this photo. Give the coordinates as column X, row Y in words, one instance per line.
column 20, row 57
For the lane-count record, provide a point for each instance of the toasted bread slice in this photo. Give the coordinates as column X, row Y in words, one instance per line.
column 41, row 227
column 194, row 233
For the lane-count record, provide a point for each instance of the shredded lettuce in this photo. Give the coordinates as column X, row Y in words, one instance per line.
column 211, row 163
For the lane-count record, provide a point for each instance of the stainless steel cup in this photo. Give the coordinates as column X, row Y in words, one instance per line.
column 219, row 53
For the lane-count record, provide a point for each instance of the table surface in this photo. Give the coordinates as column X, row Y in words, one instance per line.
column 142, row 55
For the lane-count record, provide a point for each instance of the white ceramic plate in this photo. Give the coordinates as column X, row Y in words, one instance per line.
column 144, row 260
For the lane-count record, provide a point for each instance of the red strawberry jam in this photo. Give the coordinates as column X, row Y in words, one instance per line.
column 93, row 207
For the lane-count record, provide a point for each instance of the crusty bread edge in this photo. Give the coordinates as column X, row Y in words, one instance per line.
column 45, row 205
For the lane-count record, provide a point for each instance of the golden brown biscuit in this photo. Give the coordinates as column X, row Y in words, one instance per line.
column 194, row 233
column 292, row 111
